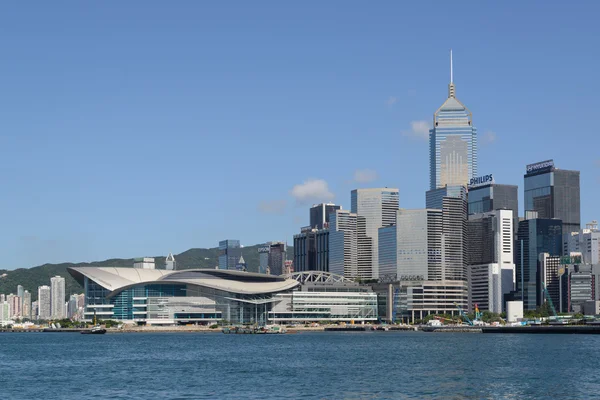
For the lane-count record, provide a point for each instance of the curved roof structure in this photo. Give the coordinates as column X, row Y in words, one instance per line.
column 118, row 279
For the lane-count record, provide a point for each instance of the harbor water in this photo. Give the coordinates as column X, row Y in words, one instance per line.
column 321, row 365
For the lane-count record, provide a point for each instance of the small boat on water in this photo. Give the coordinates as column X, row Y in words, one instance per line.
column 96, row 330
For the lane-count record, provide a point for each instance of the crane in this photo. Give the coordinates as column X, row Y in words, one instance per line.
column 463, row 314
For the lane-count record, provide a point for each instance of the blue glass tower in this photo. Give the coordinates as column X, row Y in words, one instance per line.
column 452, row 143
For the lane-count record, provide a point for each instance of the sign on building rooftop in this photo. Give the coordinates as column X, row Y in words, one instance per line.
column 481, row 181
column 540, row 166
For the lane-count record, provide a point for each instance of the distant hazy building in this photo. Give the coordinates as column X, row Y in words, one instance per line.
column 452, row 143
column 15, row 306
column 44, row 310
column 535, row 236
column 72, row 306
column 289, row 267
column 311, row 250
column 241, row 264
column 319, row 215
column 20, row 293
column 586, row 242
column 57, row 301
column 263, row 258
column 34, row 310
column 343, row 251
column 144, row 263
column 434, row 198
column 277, row 258
column 272, row 256
column 170, row 263
column 553, row 193
column 26, row 304
column 230, row 252
column 378, row 207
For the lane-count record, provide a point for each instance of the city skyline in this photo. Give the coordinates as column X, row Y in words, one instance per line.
column 365, row 109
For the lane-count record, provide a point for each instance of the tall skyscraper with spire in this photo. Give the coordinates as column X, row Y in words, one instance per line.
column 452, row 142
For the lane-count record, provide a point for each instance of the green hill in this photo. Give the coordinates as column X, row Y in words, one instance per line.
column 31, row 278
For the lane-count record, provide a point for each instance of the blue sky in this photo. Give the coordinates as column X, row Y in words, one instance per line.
column 142, row 128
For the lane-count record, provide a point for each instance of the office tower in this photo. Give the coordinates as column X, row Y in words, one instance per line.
column 263, row 258
column 277, row 257
column 553, row 193
column 492, row 196
column 535, row 236
column 577, row 285
column 26, row 304
column 57, row 300
column 170, row 263
column 452, row 143
column 411, row 249
column 230, row 252
column 586, row 242
column 272, row 256
column 144, row 263
column 378, row 208
column 548, row 269
column 434, row 198
column 44, row 310
column 343, row 250
column 319, row 215
column 490, row 255
column 311, row 250
column 454, row 232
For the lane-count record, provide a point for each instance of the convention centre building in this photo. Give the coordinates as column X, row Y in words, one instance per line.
column 205, row 296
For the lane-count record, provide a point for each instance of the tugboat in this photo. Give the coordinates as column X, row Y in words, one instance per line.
column 96, row 329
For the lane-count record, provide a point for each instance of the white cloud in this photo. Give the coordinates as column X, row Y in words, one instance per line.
column 488, row 137
column 272, row 207
column 418, row 130
column 391, row 101
column 365, row 175
column 312, row 190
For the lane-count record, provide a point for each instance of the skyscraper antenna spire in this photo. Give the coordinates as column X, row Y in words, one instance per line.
column 451, row 89
column 451, row 72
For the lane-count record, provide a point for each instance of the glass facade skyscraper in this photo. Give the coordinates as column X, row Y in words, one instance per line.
column 230, row 252
column 535, row 236
column 452, row 144
column 434, row 199
column 554, row 193
column 319, row 214
column 378, row 208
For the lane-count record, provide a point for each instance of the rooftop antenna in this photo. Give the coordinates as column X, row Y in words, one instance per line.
column 451, row 72
column 451, row 90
